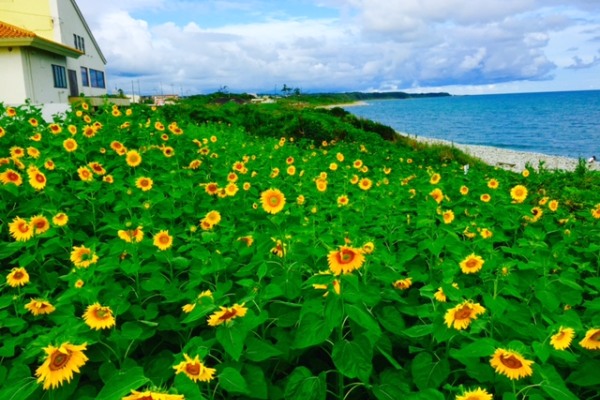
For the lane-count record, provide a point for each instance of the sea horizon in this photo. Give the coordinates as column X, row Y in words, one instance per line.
column 556, row 123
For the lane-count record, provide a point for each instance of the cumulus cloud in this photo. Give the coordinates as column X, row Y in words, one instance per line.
column 365, row 45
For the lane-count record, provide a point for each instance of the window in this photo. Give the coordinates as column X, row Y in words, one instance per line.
column 79, row 43
column 97, row 79
column 85, row 78
column 60, row 76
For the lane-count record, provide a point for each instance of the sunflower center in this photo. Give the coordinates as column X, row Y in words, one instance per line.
column 463, row 313
column 346, row 256
column 18, row 275
column 228, row 314
column 12, row 176
column 59, row 360
column 23, row 227
column 164, row 239
column 511, row 362
column 595, row 336
column 274, row 201
column 102, row 313
column 193, row 369
column 40, row 178
column 472, row 263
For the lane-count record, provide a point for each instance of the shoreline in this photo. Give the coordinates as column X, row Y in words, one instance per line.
column 512, row 160
column 358, row 103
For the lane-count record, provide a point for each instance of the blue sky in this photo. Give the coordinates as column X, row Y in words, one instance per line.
column 257, row 46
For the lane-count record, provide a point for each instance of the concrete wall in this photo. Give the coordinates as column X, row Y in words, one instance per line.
column 12, row 81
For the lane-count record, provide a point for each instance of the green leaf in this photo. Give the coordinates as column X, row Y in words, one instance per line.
column 232, row 338
column 359, row 315
column 427, row 373
column 391, row 319
column 257, row 384
column 418, row 331
column 541, row 351
column 122, row 383
column 353, row 359
column 553, row 384
column 302, row 385
column 312, row 330
column 586, row 374
column 478, row 348
column 131, row 330
column 259, row 350
column 232, row 381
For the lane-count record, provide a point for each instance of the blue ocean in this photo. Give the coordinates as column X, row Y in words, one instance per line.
column 555, row 123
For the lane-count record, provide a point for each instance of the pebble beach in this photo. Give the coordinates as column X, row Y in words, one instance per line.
column 510, row 159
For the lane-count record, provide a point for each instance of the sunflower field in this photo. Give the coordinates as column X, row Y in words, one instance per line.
column 147, row 256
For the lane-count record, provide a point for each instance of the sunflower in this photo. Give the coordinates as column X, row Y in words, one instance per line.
column 368, row 247
column 596, row 212
column 168, row 151
column 300, row 199
column 525, row 173
column 440, row 295
column 11, row 112
column 40, row 224
column 553, row 205
column 272, row 200
column 79, row 283
column 195, row 164
column 511, row 364
column 16, row 152
column 33, row 122
column 97, row 168
column 33, row 152
column 82, row 257
column 49, row 165
column 291, row 170
column 345, row 260
column 85, row 174
column 321, row 184
column 493, row 184
column 231, row 189
column 486, row 233
column 144, row 183
column 213, row 217
column 195, row 369
column 461, row 316
column 99, row 317
column 60, row 219
column 365, row 184
column 448, row 216
column 357, row 164
column 163, row 240
column 403, row 284
column 133, row 158
column 130, row 236
column 477, row 394
column 211, row 188
column 226, row 314
column 485, row 198
column 37, row 179
column 279, row 249
column 17, row 277
column 246, row 186
column 561, row 340
column 39, row 307
column 435, row 179
column 11, row 176
column 70, row 145
column 518, row 193
column 342, row 200
column 36, row 137
column 248, row 240
column 471, row 264
column 591, row 341
column 89, row 131
column 437, row 195
column 60, row 364
column 108, row 179
column 20, row 229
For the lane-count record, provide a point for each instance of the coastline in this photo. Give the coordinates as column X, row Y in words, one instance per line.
column 511, row 160
column 344, row 105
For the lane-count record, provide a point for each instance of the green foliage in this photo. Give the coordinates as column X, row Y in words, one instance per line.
column 287, row 325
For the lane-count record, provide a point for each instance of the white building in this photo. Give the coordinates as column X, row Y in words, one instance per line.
column 47, row 53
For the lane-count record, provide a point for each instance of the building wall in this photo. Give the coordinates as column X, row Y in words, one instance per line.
column 12, row 81
column 40, row 84
column 69, row 24
column 33, row 15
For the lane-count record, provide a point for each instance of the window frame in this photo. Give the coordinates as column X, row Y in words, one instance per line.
column 97, row 79
column 59, row 75
column 85, row 77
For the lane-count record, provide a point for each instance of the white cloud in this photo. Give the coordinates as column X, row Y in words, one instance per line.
column 372, row 44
